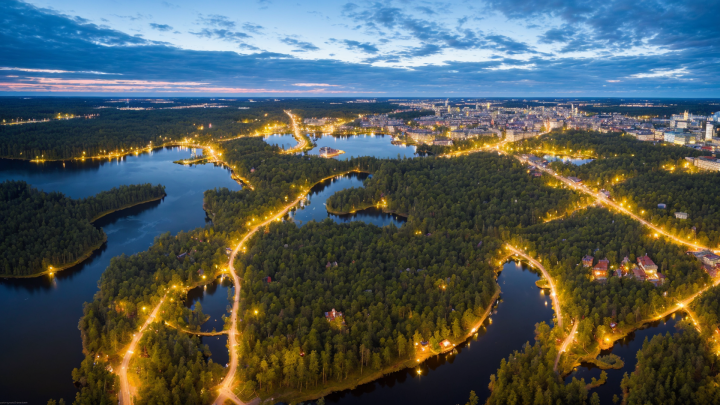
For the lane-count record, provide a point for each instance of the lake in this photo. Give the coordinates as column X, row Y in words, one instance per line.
column 42, row 344
column 379, row 146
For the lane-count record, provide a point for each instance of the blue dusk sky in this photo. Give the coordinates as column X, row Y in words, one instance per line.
column 492, row 48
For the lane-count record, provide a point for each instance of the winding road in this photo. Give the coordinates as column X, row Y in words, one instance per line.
column 553, row 291
column 125, row 396
column 302, row 142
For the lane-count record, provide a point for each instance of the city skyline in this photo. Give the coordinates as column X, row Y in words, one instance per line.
column 519, row 48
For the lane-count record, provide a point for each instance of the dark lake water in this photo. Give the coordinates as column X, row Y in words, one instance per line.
column 215, row 301
column 448, row 379
column 41, row 343
column 627, row 349
column 566, row 159
column 379, row 146
column 314, row 207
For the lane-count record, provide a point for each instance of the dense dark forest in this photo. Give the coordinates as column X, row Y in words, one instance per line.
column 697, row 194
column 560, row 245
column 129, row 287
column 674, row 370
column 395, row 289
column 41, row 229
column 460, row 145
column 707, row 308
column 116, row 130
column 483, row 192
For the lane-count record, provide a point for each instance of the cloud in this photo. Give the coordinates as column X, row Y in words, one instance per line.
column 301, row 46
column 49, row 52
column 161, row 27
column 315, row 85
column 254, row 28
column 216, row 20
column 222, row 34
column 366, row 47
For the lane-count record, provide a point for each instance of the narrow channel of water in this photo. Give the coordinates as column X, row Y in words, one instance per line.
column 379, row 146
column 448, row 379
column 627, row 349
column 41, row 343
column 314, row 209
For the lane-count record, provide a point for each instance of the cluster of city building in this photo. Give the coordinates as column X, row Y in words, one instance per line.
column 709, row 260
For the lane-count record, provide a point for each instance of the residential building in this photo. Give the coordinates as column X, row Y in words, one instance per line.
column 711, row 259
column 600, row 270
column 646, row 263
column 681, row 215
column 639, row 273
column 707, row 163
column 587, row 261
column 333, row 314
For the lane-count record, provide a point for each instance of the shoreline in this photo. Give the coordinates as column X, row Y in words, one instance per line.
column 384, row 211
column 124, row 207
column 81, row 259
column 409, row 363
column 89, row 253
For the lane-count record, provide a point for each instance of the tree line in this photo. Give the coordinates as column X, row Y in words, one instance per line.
column 49, row 229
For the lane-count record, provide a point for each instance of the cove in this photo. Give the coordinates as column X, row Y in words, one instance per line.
column 41, row 343
column 448, row 379
column 214, row 298
column 379, row 146
column 627, row 349
column 314, row 209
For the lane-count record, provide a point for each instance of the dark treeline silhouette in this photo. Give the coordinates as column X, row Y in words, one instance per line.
column 41, row 229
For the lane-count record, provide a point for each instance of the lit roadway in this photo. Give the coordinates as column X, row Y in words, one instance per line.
column 125, row 396
column 302, row 143
column 612, row 204
column 565, row 344
column 553, row 291
column 226, row 386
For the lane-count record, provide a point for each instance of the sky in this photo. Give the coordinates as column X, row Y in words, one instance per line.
column 394, row 48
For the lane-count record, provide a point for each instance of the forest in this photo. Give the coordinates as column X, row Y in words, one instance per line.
column 42, row 229
column 697, row 194
column 395, row 289
column 674, row 370
column 129, row 287
column 482, row 191
column 527, row 376
column 619, row 157
column 115, row 130
column 561, row 244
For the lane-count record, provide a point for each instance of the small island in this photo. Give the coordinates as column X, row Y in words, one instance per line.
column 328, row 152
column 47, row 232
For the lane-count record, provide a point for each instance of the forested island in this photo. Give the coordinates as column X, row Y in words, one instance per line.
column 47, row 232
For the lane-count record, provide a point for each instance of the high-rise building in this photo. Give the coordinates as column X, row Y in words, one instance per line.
column 709, row 131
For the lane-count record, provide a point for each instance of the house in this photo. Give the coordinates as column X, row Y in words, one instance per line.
column 711, row 259
column 443, row 142
column 587, row 261
column 700, row 254
column 662, row 206
column 575, row 180
column 600, row 270
column 658, row 280
column 647, row 264
column 445, row 344
column 712, row 271
column 228, row 251
column 182, row 255
column 333, row 314
column 626, row 265
column 201, row 272
column 681, row 215
column 639, row 273
column 267, row 279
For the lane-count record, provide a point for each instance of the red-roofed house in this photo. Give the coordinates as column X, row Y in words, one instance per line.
column 639, row 274
column 332, row 315
column 600, row 270
column 646, row 263
column 587, row 261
